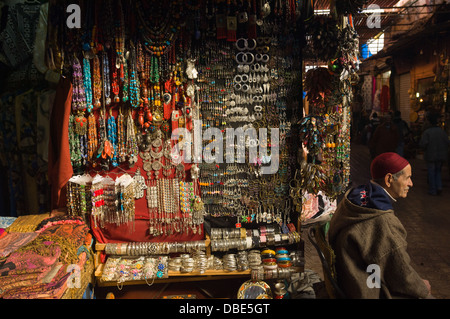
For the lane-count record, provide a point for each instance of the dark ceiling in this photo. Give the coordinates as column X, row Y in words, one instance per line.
column 360, row 20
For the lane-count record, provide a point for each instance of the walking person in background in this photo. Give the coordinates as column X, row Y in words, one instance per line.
column 434, row 141
column 384, row 138
column 403, row 132
column 370, row 128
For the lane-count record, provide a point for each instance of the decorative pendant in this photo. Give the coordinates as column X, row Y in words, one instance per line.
column 139, row 184
column 81, row 125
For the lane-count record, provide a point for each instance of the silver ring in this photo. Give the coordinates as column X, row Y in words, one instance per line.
column 244, row 41
column 252, row 58
column 251, row 47
column 256, row 67
column 241, row 60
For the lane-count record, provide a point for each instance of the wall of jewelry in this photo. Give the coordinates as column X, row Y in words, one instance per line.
column 136, row 82
column 155, row 95
column 249, row 89
column 324, row 169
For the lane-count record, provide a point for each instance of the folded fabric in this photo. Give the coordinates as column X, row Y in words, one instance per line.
column 13, row 241
column 6, row 221
column 26, row 223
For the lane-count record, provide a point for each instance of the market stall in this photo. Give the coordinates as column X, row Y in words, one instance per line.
column 179, row 137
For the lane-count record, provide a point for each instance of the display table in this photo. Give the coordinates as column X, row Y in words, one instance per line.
column 184, row 276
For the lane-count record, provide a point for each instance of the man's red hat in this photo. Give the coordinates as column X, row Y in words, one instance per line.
column 385, row 163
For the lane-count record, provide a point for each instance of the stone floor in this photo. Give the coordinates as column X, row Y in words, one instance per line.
column 426, row 219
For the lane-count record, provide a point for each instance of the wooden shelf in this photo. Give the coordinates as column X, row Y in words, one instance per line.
column 173, row 276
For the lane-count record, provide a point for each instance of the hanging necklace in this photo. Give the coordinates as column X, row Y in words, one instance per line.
column 121, row 137
column 159, row 31
column 92, row 140
column 97, row 91
column 87, row 84
column 74, row 144
column 120, row 38
column 105, row 150
column 115, row 86
column 112, row 137
column 134, row 82
column 131, row 143
column 78, row 99
column 142, row 69
column 78, row 95
column 106, row 79
column 154, row 70
column 124, row 79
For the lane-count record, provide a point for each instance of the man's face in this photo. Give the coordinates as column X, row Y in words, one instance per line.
column 400, row 187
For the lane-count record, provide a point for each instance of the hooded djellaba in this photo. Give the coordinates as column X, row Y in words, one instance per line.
column 364, row 231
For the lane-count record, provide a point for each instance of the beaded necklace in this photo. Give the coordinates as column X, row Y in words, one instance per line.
column 131, row 143
column 106, row 79
column 79, row 100
column 160, row 29
column 112, row 137
column 142, row 69
column 124, row 79
column 78, row 95
column 121, row 137
column 104, row 151
column 134, row 82
column 120, row 37
column 97, row 91
column 87, row 84
column 115, row 86
column 92, row 140
column 154, row 70
column 74, row 144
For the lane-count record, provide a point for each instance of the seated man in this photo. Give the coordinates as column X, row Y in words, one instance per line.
column 364, row 231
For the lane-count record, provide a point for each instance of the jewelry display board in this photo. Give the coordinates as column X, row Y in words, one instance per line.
column 187, row 130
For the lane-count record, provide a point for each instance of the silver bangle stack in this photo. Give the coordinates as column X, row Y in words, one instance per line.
column 153, row 248
column 229, row 262
column 242, row 260
column 254, row 259
column 187, row 263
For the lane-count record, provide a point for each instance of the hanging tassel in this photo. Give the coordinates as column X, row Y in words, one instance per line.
column 231, row 28
column 221, row 26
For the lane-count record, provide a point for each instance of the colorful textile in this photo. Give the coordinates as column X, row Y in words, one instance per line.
column 5, row 221
column 38, row 269
column 13, row 241
column 26, row 223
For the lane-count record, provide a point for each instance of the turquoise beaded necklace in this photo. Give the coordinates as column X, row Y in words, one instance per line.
column 87, row 84
column 112, row 137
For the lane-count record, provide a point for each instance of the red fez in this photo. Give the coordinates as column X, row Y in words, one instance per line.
column 387, row 163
